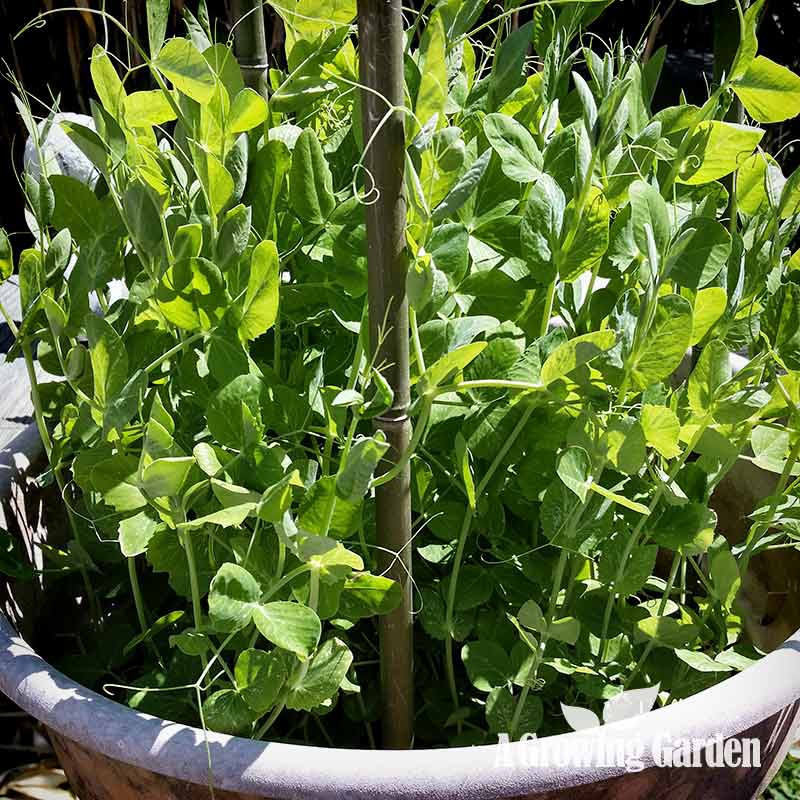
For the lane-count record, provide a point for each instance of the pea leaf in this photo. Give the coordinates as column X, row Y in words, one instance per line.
column 520, row 157
column 234, row 408
column 260, row 677
column 701, row 250
column 352, row 482
column 310, row 180
column 661, row 429
column 248, row 111
column 666, row 342
column 135, row 533
column 574, row 353
column 6, row 256
column 157, row 19
column 432, row 92
column 260, row 309
column 487, row 663
column 192, row 294
column 540, row 231
column 226, row 711
column 325, row 674
column 717, row 149
column 181, row 62
column 575, row 470
column 770, row 92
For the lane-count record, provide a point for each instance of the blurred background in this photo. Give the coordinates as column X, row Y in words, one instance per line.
column 52, row 62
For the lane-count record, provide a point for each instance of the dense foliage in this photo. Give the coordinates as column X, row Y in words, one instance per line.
column 212, row 432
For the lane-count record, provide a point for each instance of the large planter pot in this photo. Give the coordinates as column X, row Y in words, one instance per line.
column 109, row 751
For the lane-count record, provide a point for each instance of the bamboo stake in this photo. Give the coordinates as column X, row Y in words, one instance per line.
column 380, row 28
column 250, row 41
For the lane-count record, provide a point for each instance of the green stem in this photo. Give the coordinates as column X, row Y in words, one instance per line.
column 673, row 573
column 137, row 595
column 558, row 577
column 459, row 554
column 633, row 539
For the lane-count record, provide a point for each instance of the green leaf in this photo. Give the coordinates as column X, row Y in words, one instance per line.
column 450, row 365
column 699, row 253
column 709, row 306
column 501, row 706
column 688, row 528
column 352, row 482
column 77, row 208
column 566, row 629
column 520, row 157
column 291, row 626
column 625, row 445
column 325, row 674
column 712, row 370
column 648, row 210
column 226, row 711
column 157, row 19
column 143, row 216
column 661, row 429
column 107, row 84
column 315, row 515
column 116, row 479
column 462, row 459
column 463, row 188
column 310, row 180
column 233, row 595
column 432, row 92
column 531, row 616
column 234, row 234
column 109, row 359
column 260, row 677
column 540, row 232
column 591, row 239
column 575, row 470
column 165, row 477
column 574, row 353
column 260, row 308
column 217, row 181
column 6, row 256
column 248, row 111
column 226, row 411
column 507, row 65
column 770, row 92
column 634, row 572
column 181, row 62
column 665, row 632
column 717, row 149
column 143, row 109
column 366, row 595
column 666, row 342
column 474, row 588
column 701, row 662
column 135, row 533
column 192, row 294
column 487, row 663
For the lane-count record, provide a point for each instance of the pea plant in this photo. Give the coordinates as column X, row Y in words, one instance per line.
column 580, row 271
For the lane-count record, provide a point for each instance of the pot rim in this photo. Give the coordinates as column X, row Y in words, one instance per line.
column 282, row 771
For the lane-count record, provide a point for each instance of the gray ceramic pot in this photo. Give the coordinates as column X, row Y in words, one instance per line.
column 111, row 752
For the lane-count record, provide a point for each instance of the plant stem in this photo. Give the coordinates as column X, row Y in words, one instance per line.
column 459, row 554
column 633, row 539
column 137, row 594
column 673, row 573
column 558, row 577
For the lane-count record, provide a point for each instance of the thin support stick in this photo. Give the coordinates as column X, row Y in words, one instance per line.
column 380, row 28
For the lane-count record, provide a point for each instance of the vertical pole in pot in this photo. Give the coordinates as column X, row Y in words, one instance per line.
column 380, row 28
column 250, row 41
